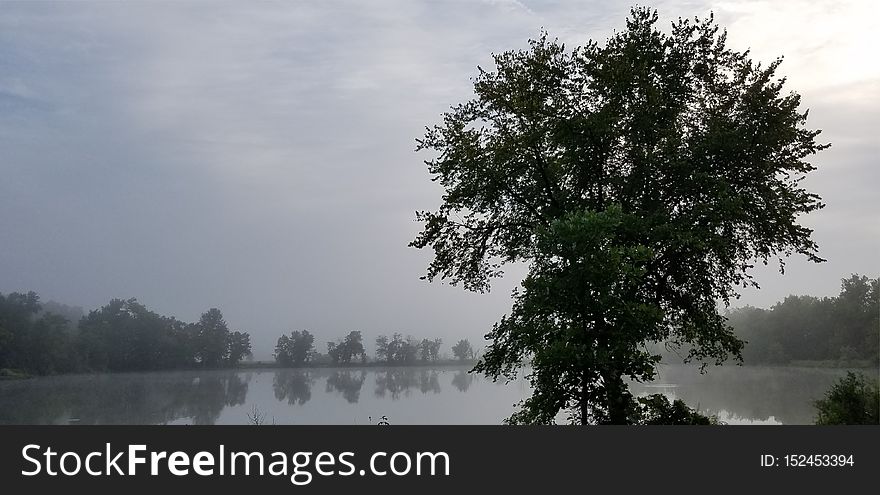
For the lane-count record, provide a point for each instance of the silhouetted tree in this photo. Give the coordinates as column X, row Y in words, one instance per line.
column 17, row 315
column 844, row 329
column 345, row 350
column 397, row 350
column 212, row 338
column 125, row 336
column 295, row 350
column 382, row 348
column 463, row 350
column 639, row 181
column 239, row 347
column 429, row 350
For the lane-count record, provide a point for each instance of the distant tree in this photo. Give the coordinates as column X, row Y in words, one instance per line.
column 282, row 351
column 296, row 350
column 853, row 400
column 639, row 181
column 845, row 329
column 397, row 350
column 126, row 336
column 17, row 314
column 47, row 347
column 70, row 313
column 463, row 350
column 405, row 350
column 429, row 350
column 382, row 350
column 212, row 338
column 345, row 350
column 856, row 319
column 239, row 347
column 122, row 335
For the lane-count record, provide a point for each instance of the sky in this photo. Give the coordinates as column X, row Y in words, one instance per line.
column 259, row 157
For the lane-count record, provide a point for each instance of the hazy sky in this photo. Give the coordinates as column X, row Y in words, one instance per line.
column 258, row 157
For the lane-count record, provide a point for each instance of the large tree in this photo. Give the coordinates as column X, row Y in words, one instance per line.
column 639, row 180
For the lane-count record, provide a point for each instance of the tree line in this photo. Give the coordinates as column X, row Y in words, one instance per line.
column 121, row 336
column 807, row 328
column 298, row 349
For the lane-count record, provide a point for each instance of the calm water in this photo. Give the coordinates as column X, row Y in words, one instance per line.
column 446, row 395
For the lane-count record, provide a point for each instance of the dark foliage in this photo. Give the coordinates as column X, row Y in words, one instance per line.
column 639, row 181
column 842, row 329
column 854, row 400
column 296, row 350
column 348, row 350
column 122, row 336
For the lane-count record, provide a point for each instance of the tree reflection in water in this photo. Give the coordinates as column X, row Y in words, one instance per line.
column 463, row 380
column 150, row 398
column 348, row 383
column 293, row 385
column 397, row 382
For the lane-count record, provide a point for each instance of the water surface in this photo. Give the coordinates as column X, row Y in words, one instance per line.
column 416, row 395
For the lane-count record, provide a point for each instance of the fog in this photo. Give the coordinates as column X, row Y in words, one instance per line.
column 403, row 395
column 258, row 157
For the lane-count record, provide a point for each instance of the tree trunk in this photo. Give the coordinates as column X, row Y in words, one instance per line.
column 585, row 397
column 618, row 398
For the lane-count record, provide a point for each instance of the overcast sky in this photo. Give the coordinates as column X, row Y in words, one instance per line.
column 258, row 157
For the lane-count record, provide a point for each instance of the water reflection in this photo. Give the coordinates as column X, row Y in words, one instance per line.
column 405, row 395
column 348, row 383
column 395, row 382
column 463, row 380
column 748, row 394
column 295, row 386
column 122, row 399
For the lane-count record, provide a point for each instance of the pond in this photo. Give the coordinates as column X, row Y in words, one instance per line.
column 406, row 395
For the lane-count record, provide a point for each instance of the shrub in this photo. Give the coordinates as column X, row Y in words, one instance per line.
column 853, row 400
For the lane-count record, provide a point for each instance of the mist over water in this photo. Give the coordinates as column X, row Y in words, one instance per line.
column 404, row 395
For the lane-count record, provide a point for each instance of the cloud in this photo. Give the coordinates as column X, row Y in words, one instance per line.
column 258, row 156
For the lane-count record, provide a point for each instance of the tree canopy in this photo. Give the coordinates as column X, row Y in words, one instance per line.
column 123, row 335
column 640, row 181
column 463, row 350
column 853, row 400
column 844, row 329
column 296, row 350
column 344, row 350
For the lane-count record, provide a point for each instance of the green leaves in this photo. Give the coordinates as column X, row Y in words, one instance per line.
column 853, row 400
column 640, row 180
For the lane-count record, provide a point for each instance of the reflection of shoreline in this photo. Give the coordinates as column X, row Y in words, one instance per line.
column 272, row 365
column 397, row 382
column 752, row 394
column 348, row 383
column 736, row 394
column 124, row 398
